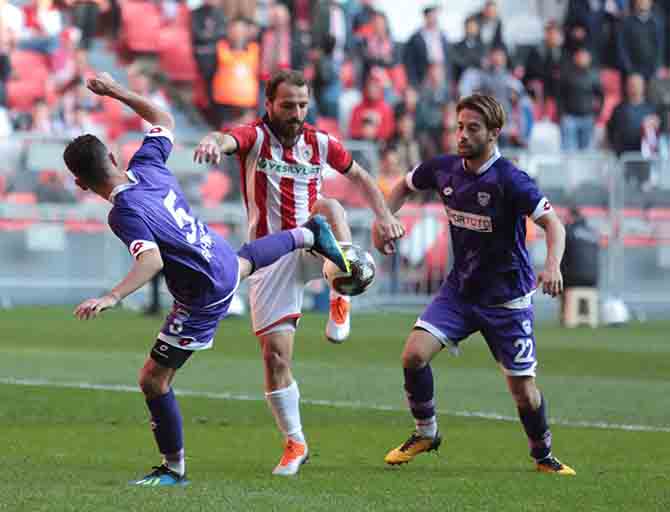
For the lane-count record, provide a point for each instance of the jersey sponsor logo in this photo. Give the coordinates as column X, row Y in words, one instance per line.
column 447, row 191
column 483, row 198
column 471, row 221
column 284, row 169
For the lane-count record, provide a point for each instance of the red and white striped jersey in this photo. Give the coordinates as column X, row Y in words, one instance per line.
column 280, row 184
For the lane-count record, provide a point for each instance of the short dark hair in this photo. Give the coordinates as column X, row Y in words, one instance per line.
column 490, row 109
column 289, row 76
column 87, row 158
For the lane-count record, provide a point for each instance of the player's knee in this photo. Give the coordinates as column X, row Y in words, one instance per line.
column 274, row 361
column 332, row 209
column 151, row 385
column 413, row 359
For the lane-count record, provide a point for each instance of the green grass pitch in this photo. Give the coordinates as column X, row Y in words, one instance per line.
column 74, row 431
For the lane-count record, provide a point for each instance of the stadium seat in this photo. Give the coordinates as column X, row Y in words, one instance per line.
column 175, row 54
column 215, row 188
column 29, row 65
column 22, row 94
column 21, row 198
column 140, row 26
column 329, row 125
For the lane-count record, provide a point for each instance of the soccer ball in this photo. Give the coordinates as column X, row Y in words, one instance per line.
column 360, row 278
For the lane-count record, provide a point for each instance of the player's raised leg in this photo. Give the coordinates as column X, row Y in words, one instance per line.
column 339, row 317
column 166, row 420
column 283, row 396
column 420, row 349
column 532, row 408
column 316, row 234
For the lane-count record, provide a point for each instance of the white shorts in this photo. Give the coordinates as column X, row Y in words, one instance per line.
column 276, row 292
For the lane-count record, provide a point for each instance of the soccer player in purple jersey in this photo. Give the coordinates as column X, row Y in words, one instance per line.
column 150, row 215
column 489, row 288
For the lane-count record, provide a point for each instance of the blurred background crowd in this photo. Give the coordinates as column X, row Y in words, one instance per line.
column 577, row 75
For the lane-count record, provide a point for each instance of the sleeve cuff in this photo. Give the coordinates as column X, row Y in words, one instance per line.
column 137, row 247
column 408, row 180
column 543, row 207
column 160, row 131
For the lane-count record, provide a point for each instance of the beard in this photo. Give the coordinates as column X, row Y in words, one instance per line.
column 471, row 151
column 289, row 129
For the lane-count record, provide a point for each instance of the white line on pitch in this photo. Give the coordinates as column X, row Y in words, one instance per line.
column 329, row 403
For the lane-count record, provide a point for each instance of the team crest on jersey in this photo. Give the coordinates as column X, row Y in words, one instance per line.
column 447, row 191
column 277, row 151
column 484, row 198
column 307, row 153
column 527, row 328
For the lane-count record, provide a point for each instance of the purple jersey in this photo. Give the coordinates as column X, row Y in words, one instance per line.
column 487, row 215
column 150, row 212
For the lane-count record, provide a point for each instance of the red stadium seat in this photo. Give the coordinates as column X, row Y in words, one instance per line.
column 140, row 26
column 30, row 65
column 329, row 125
column 215, row 188
column 175, row 54
column 21, row 198
column 22, row 94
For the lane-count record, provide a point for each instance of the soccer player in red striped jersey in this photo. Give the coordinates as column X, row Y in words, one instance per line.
column 282, row 159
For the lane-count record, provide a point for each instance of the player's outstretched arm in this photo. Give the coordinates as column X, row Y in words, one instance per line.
column 389, row 228
column 104, row 85
column 550, row 277
column 147, row 265
column 212, row 147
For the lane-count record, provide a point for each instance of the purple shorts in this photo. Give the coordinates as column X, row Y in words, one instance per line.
column 193, row 328
column 508, row 332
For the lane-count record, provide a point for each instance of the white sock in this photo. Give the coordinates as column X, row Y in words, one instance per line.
column 427, row 427
column 285, row 406
column 308, row 237
column 177, row 465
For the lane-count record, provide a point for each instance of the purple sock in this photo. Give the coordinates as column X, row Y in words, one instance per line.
column 419, row 390
column 537, row 430
column 268, row 249
column 166, row 423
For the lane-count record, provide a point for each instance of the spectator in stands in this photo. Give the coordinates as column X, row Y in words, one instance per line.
column 426, row 46
column 580, row 100
column 5, row 64
column 372, row 119
column 430, row 111
column 41, row 121
column 11, row 24
column 519, row 125
column 390, row 170
column 42, row 28
column 85, row 14
column 80, row 122
column 494, row 79
column 624, row 129
column 589, row 23
column 659, row 96
column 405, row 142
column 374, row 44
column 278, row 48
column 363, row 14
column 490, row 25
column 238, row 57
column 641, row 41
column 326, row 83
column 208, row 27
column 51, row 188
column 470, row 51
column 542, row 69
column 329, row 18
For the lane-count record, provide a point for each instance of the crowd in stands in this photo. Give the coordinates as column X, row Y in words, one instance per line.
column 599, row 78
